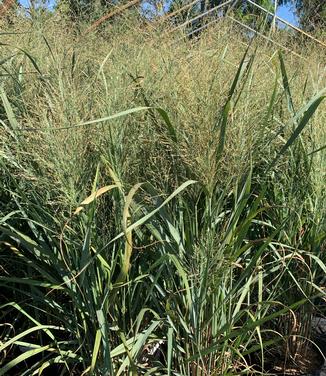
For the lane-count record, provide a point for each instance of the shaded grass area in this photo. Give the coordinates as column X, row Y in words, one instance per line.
column 159, row 193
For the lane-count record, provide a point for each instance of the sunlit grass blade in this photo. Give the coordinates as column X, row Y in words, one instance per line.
column 301, row 125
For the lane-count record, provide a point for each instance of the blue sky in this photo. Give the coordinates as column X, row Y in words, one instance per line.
column 283, row 11
column 287, row 13
column 26, row 3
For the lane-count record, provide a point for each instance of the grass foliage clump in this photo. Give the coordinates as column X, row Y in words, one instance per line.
column 162, row 201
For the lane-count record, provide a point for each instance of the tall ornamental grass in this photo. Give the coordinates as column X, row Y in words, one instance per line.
column 162, row 201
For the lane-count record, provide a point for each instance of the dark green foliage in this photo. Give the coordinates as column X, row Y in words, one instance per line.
column 87, row 9
column 311, row 13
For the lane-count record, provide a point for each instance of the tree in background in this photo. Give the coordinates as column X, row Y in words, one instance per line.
column 242, row 9
column 311, row 13
column 6, row 9
column 86, row 9
column 6, row 5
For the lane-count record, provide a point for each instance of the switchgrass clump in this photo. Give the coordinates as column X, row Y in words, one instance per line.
column 163, row 201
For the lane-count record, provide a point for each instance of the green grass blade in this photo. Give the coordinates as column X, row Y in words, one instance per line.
column 286, row 85
column 96, row 349
column 9, row 111
column 22, row 358
column 170, row 350
column 304, row 121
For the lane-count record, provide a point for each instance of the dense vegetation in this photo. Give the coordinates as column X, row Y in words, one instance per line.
column 159, row 193
column 311, row 14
